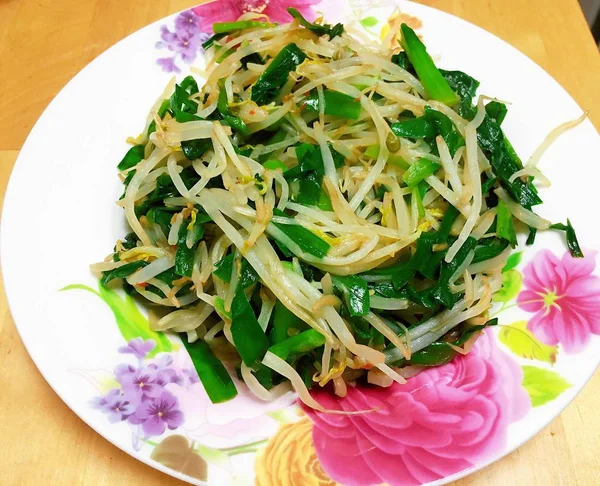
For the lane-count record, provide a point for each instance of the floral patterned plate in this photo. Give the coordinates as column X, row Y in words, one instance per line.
column 139, row 389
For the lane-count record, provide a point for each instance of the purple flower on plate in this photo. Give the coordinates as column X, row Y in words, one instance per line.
column 167, row 38
column 169, row 375
column 187, row 21
column 115, row 404
column 163, row 362
column 122, row 371
column 185, row 41
column 138, row 347
column 192, row 375
column 158, row 414
column 142, row 399
column 143, row 384
column 168, row 64
column 190, row 44
column 165, row 373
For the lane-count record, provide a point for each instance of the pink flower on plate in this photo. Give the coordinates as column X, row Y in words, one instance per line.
column 565, row 297
column 228, row 10
column 444, row 420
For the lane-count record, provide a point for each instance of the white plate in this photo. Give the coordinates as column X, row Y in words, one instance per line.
column 60, row 215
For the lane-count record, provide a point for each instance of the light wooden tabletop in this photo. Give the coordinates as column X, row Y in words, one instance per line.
column 43, row 43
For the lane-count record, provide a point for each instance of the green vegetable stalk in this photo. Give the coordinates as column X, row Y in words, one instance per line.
column 267, row 86
column 226, row 27
column 420, row 170
column 306, row 240
column 336, row 104
column 432, row 79
column 248, row 337
column 213, row 375
column 299, row 344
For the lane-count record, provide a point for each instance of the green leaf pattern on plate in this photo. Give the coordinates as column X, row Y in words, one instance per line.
column 512, row 280
column 543, row 385
column 524, row 344
column 130, row 321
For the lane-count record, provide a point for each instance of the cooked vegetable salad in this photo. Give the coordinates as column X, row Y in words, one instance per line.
column 322, row 210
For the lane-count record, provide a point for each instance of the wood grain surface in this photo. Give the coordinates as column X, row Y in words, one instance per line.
column 43, row 43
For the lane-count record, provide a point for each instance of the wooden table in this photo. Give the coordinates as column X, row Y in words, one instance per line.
column 43, row 43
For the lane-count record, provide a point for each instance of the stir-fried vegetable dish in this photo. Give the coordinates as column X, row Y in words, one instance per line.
column 322, row 210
